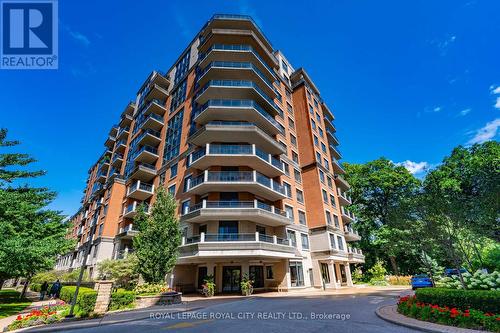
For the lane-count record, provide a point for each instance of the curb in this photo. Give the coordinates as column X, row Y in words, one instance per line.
column 390, row 314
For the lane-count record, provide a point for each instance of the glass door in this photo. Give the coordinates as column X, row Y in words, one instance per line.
column 231, row 278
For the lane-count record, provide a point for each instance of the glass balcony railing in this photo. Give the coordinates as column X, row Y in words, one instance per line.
column 149, row 131
column 148, row 149
column 235, row 65
column 117, row 156
column 141, row 186
column 155, row 101
column 239, row 103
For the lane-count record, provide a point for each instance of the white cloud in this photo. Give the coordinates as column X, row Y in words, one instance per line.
column 485, row 133
column 79, row 37
column 496, row 91
column 497, row 104
column 415, row 167
column 465, row 112
column 437, row 109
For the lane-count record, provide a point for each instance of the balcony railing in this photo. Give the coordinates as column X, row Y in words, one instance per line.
column 233, row 237
column 239, row 103
column 353, row 250
column 140, row 186
column 235, row 205
column 236, row 177
column 344, row 195
column 236, row 65
column 351, row 230
column 347, row 213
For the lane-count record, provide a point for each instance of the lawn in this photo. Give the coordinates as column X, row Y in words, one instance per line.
column 10, row 304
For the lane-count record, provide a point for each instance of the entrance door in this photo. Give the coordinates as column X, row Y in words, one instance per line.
column 257, row 275
column 343, row 275
column 202, row 274
column 231, row 278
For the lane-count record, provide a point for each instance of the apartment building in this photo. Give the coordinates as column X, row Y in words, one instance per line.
column 247, row 146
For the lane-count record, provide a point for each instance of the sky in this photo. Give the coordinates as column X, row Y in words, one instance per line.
column 406, row 80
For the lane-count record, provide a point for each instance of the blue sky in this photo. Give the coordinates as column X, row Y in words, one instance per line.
column 406, row 80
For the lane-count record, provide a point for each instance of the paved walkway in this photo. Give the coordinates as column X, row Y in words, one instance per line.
column 390, row 314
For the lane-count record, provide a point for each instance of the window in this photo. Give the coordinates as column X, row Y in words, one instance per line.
column 318, row 118
column 256, row 274
column 288, row 189
column 289, row 108
column 325, row 196
column 326, row 164
column 297, row 176
column 173, row 140
column 300, row 196
column 340, row 243
column 286, row 167
column 323, row 147
column 315, row 103
column 290, row 234
column 295, row 157
column 311, row 111
column 291, row 123
column 316, row 141
column 305, row 241
column 171, row 190
column 325, row 273
column 185, row 207
column 288, row 95
column 332, row 200
column 187, row 183
column 302, row 217
column 178, row 96
column 296, row 274
column 328, row 218
column 279, row 97
column 322, row 176
column 282, row 143
column 313, row 124
column 332, row 241
column 285, row 66
column 173, row 170
column 182, row 67
column 293, row 140
column 269, row 273
column 318, row 157
column 329, row 180
column 289, row 212
column 336, row 221
column 100, row 229
column 320, row 131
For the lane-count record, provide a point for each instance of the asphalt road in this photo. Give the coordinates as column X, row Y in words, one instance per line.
column 339, row 313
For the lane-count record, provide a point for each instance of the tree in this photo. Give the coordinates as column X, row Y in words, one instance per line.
column 32, row 236
column 156, row 244
column 382, row 196
column 122, row 271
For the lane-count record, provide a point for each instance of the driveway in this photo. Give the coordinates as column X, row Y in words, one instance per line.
column 313, row 312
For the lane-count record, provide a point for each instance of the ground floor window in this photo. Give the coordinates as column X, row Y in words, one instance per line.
column 296, row 274
column 202, row 275
column 257, row 276
column 269, row 272
column 325, row 274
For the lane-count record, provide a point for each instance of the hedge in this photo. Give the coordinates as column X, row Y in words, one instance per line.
column 483, row 300
column 121, row 300
column 85, row 302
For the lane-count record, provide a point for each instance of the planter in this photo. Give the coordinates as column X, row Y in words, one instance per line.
column 161, row 299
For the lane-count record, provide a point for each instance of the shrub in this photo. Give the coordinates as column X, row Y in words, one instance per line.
column 48, row 276
column 399, row 280
column 122, row 271
column 122, row 300
column 469, row 318
column 378, row 271
column 477, row 281
column 85, row 302
column 150, row 289
column 483, row 300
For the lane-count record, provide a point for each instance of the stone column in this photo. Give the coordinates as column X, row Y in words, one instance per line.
column 348, row 274
column 104, row 288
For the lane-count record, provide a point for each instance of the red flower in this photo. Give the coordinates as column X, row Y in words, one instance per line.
column 466, row 314
column 19, row 317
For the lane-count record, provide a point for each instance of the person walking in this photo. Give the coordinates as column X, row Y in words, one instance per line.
column 55, row 289
column 43, row 290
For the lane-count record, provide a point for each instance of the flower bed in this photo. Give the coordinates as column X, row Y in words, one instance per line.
column 469, row 318
column 38, row 316
column 483, row 300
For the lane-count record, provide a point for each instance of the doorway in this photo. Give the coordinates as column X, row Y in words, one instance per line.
column 231, row 279
column 343, row 275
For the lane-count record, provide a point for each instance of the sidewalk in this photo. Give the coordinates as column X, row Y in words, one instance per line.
column 389, row 313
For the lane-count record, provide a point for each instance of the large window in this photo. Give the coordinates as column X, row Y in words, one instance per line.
column 296, row 274
column 290, row 234
column 328, row 218
column 300, row 196
column 325, row 273
column 178, row 96
column 332, row 241
column 256, row 273
column 173, row 140
column 289, row 212
column 182, row 67
column 305, row 241
column 340, row 243
column 302, row 218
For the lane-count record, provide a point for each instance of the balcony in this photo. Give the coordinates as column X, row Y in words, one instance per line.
column 236, row 89
column 101, row 175
column 123, row 133
column 117, row 160
column 110, row 141
column 236, row 71
column 341, row 182
column 231, row 131
column 153, row 121
column 330, row 127
column 355, row 255
column 255, row 211
column 351, row 235
column 154, row 91
column 335, row 152
column 337, row 166
column 126, row 120
column 140, row 191
column 347, row 216
column 344, row 198
column 155, row 106
column 149, row 137
column 332, row 138
column 143, row 171
column 236, row 155
column 238, row 110
column 131, row 210
column 127, row 232
column 146, row 154
column 156, row 78
column 251, row 245
column 120, row 146
column 236, row 181
column 236, row 53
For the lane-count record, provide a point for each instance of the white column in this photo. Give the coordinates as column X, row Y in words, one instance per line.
column 205, row 175
column 183, row 240
column 202, row 237
column 204, row 203
column 256, row 236
column 348, row 274
column 275, row 239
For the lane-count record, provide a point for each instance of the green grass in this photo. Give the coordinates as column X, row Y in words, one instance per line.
column 10, row 304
